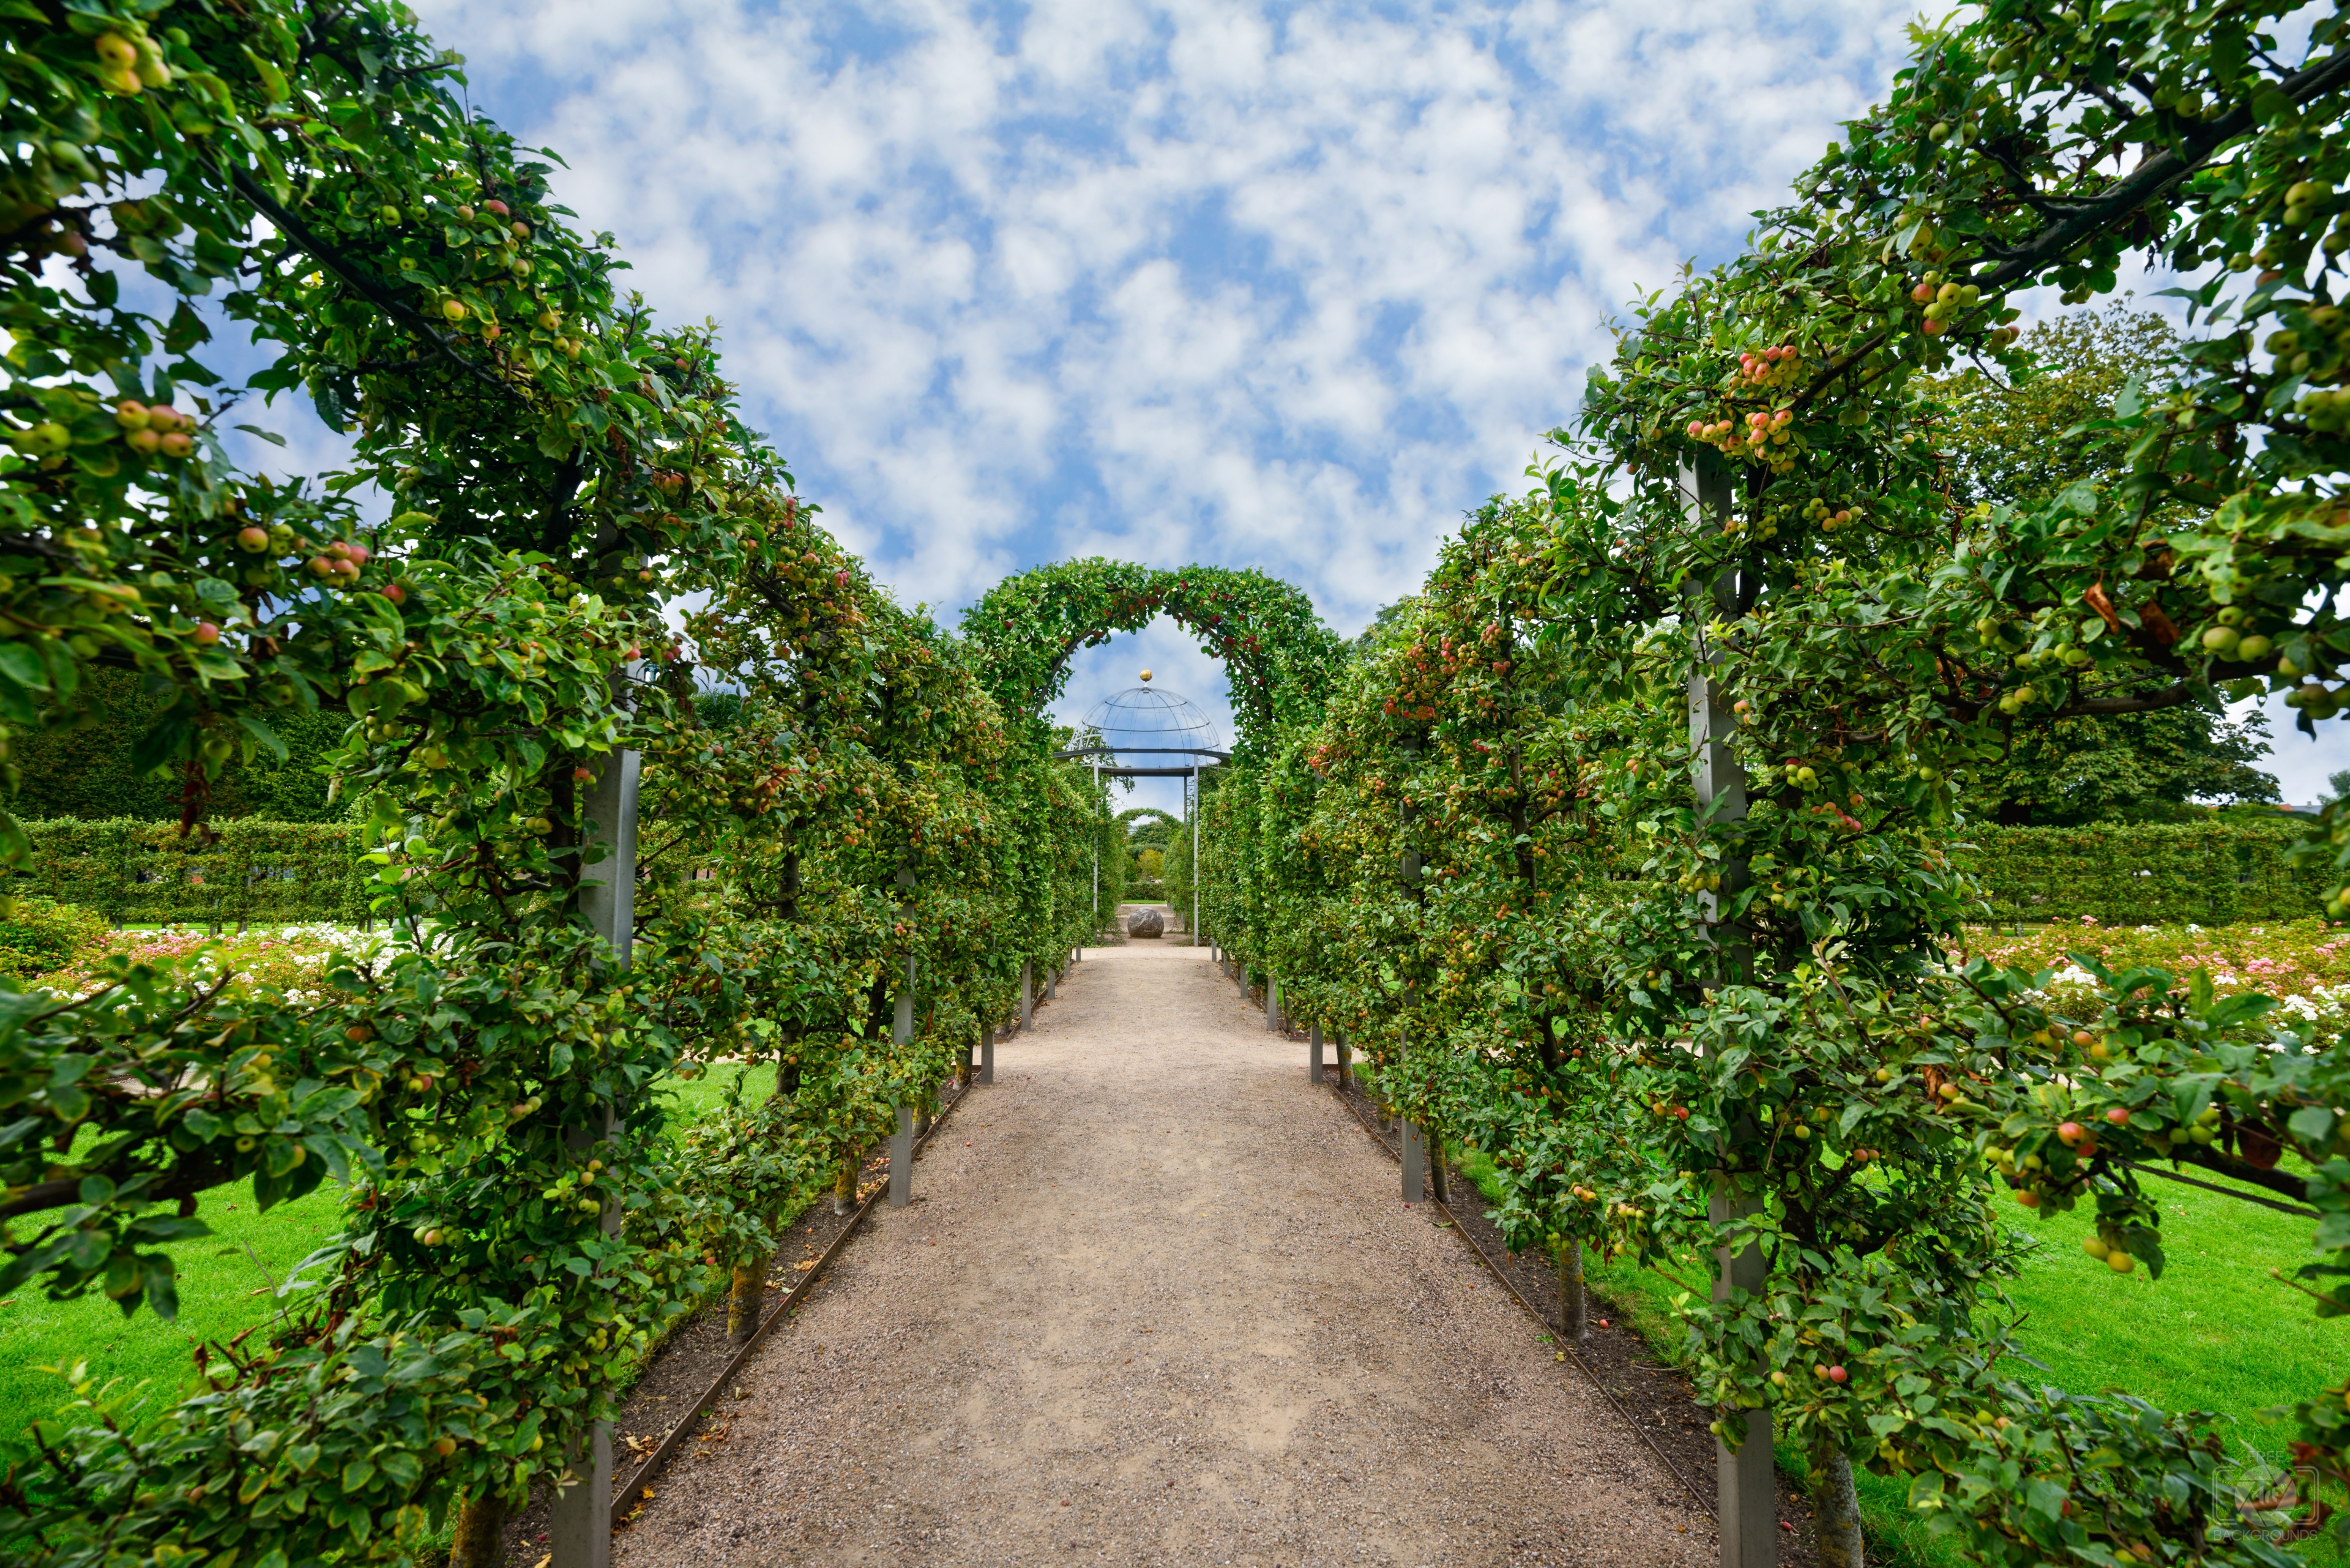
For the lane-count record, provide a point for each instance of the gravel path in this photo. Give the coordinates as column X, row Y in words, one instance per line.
column 1157, row 1300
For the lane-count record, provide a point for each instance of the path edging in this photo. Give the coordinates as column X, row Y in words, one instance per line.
column 658, row 1459
column 1511, row 1285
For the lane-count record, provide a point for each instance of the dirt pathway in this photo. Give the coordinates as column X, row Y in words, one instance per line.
column 1157, row 1300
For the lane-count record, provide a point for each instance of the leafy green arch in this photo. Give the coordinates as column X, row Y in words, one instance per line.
column 1279, row 656
column 1129, row 817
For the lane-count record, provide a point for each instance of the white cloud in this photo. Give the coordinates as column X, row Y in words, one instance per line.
column 1207, row 281
column 1284, row 287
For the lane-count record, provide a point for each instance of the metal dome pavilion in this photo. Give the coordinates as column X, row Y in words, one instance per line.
column 1152, row 721
column 1145, row 731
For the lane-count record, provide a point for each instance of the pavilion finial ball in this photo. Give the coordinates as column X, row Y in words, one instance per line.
column 1145, row 678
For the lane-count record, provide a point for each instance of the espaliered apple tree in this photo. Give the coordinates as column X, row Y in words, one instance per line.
column 561, row 468
column 1768, row 993
column 1890, row 643
column 1278, row 654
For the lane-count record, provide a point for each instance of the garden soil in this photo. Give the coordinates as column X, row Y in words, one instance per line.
column 1158, row 1301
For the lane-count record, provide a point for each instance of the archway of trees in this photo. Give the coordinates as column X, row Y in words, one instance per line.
column 1280, row 656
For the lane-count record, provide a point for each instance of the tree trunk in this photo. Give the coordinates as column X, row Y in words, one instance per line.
column 1434, row 1143
column 1574, row 1308
column 1838, row 1508
column 481, row 1526
column 844, row 1186
column 743, row 1303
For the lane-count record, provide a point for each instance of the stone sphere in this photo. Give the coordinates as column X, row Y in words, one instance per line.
column 1146, row 923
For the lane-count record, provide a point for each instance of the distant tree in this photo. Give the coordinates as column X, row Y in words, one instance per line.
column 2018, row 444
column 1368, row 638
column 86, row 771
column 2024, row 443
column 2136, row 767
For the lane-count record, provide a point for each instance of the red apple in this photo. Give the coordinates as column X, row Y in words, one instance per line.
column 1838, row 1374
column 2071, row 1132
column 207, row 633
column 396, row 593
column 252, row 539
column 2118, row 1116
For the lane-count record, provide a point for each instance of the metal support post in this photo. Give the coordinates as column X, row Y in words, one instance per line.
column 1027, row 995
column 986, row 1055
column 1746, row 1491
column 1720, row 777
column 1195, row 853
column 1415, row 1165
column 901, row 1159
column 580, row 1525
column 1746, row 1495
column 1313, row 1053
column 1272, row 1001
column 1052, row 981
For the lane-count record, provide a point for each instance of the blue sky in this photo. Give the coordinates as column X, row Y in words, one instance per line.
column 1289, row 286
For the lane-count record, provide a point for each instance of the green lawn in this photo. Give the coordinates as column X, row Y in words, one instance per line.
column 2214, row 1334
column 224, row 1281
column 224, row 1285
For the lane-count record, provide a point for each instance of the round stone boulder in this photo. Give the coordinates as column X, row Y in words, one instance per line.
column 1146, row 923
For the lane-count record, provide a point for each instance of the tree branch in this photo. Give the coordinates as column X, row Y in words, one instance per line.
column 358, row 282
column 2172, row 696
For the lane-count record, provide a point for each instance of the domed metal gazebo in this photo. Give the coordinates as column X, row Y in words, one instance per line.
column 1150, row 721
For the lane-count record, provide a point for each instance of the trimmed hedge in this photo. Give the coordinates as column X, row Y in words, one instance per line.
column 2206, row 873
column 250, row 869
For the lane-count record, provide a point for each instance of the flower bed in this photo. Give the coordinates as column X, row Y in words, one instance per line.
column 292, row 961
column 2305, row 964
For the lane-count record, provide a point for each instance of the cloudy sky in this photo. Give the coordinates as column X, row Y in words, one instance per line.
column 1282, row 286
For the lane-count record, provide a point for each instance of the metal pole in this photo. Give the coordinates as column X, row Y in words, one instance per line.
column 580, row 1525
column 1272, row 1000
column 1195, row 853
column 1313, row 1053
column 1028, row 995
column 1415, row 1165
column 901, row 1159
column 1098, row 805
column 1746, row 1488
column 987, row 1054
column 901, row 1021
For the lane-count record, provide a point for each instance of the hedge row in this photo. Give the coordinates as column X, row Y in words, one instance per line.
column 252, row 870
column 2205, row 873
column 242, row 870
